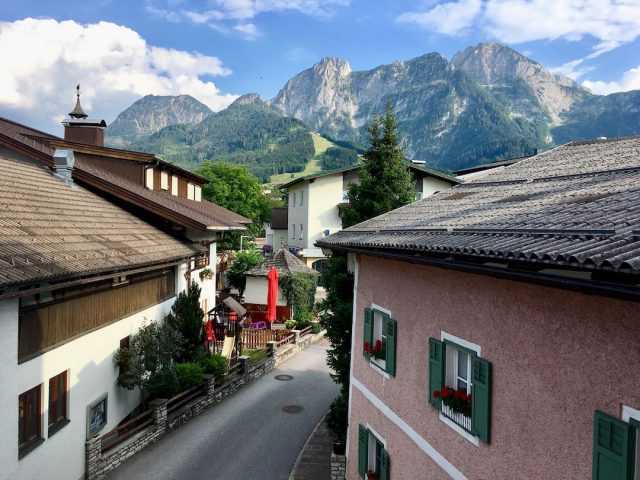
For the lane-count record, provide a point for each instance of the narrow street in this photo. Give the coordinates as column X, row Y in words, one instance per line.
column 256, row 433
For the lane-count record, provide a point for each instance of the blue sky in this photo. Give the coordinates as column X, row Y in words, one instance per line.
column 217, row 49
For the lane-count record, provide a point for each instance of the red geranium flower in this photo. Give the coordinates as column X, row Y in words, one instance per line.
column 378, row 344
column 436, row 393
column 366, row 346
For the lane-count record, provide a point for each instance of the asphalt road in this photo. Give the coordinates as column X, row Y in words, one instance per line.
column 248, row 436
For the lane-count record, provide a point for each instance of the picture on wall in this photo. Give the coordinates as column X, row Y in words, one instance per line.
column 96, row 416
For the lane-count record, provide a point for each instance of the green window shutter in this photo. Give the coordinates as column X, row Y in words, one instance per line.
column 390, row 355
column 436, row 370
column 613, row 446
column 384, row 466
column 363, row 437
column 481, row 398
column 368, row 328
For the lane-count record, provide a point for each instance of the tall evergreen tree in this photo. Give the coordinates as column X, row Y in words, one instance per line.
column 385, row 182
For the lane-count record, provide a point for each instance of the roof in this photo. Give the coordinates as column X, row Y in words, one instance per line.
column 416, row 167
column 279, row 218
column 487, row 166
column 51, row 231
column 188, row 213
column 285, row 262
column 577, row 205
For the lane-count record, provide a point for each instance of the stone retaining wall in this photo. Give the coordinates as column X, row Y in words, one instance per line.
column 338, row 467
column 99, row 464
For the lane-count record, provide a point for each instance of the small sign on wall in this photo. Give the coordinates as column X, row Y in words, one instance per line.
column 96, row 416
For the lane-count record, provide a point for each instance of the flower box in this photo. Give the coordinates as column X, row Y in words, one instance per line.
column 459, row 418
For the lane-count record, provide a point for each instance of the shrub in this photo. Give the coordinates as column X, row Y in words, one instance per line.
column 303, row 319
column 217, row 365
column 289, row 324
column 317, row 328
column 186, row 317
column 189, row 375
column 337, row 422
column 163, row 384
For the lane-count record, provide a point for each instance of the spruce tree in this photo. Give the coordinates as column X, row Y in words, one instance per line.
column 385, row 181
column 385, row 184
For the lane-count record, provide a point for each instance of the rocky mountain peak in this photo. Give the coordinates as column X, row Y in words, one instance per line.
column 331, row 66
column 248, row 99
column 498, row 66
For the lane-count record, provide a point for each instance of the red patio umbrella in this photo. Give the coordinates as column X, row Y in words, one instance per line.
column 209, row 330
column 272, row 294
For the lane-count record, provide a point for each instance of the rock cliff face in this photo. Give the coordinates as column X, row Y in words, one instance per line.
column 151, row 113
column 525, row 87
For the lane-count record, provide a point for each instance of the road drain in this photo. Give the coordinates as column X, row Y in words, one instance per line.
column 283, row 378
column 292, row 409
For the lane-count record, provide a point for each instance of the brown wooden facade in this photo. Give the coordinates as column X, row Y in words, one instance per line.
column 78, row 311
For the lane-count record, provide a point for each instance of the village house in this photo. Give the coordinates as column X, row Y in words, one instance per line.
column 495, row 328
column 90, row 250
column 315, row 202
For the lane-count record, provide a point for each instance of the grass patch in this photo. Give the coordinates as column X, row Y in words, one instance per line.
column 313, row 166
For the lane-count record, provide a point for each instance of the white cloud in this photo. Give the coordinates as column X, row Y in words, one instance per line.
column 113, row 64
column 610, row 22
column 235, row 16
column 630, row 80
column 447, row 18
column 573, row 69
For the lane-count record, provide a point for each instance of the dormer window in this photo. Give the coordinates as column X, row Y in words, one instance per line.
column 148, row 178
column 198, row 193
column 164, row 181
column 191, row 191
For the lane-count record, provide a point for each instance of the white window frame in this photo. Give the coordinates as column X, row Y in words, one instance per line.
column 164, row 180
column 191, row 191
column 174, row 185
column 447, row 337
column 378, row 334
column 198, row 193
column 372, row 441
column 148, row 178
column 627, row 414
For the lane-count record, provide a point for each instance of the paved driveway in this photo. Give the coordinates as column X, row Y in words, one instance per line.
column 248, row 436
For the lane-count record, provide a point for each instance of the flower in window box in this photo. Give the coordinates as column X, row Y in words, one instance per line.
column 456, row 400
column 371, row 475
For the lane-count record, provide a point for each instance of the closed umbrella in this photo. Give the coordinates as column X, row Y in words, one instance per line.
column 272, row 294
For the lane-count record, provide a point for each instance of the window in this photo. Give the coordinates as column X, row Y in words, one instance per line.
column 301, row 232
column 148, row 178
column 29, row 420
column 302, row 198
column 293, row 203
column 460, row 386
column 58, row 415
column 198, row 193
column 191, row 191
column 293, row 226
column 380, row 340
column 174, row 185
column 125, row 343
column 615, row 446
column 373, row 461
column 164, row 180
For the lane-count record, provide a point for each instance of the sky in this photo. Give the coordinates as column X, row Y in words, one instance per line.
column 216, row 50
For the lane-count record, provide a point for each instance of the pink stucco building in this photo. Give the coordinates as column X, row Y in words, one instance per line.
column 496, row 332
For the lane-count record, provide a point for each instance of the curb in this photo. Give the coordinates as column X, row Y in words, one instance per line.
column 306, row 443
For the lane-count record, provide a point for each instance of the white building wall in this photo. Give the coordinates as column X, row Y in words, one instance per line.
column 256, row 292
column 277, row 238
column 298, row 215
column 325, row 193
column 432, row 185
column 91, row 373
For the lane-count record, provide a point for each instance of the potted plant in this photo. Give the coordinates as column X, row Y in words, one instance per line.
column 456, row 400
column 206, row 274
column 375, row 350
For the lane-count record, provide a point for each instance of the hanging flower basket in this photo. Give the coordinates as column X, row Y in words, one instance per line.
column 375, row 350
column 456, row 400
column 206, row 274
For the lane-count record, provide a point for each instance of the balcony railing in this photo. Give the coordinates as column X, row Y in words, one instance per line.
column 457, row 417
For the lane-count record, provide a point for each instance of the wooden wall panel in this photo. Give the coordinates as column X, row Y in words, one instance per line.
column 182, row 187
column 46, row 326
